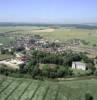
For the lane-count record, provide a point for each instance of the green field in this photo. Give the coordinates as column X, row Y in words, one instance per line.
column 61, row 33
column 5, row 56
column 6, row 40
column 27, row 89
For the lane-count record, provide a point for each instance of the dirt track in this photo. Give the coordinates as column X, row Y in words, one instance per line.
column 43, row 30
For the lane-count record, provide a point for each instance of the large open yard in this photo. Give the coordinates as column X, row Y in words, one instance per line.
column 61, row 33
column 28, row 89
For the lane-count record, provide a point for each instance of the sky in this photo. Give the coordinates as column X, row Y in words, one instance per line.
column 48, row 11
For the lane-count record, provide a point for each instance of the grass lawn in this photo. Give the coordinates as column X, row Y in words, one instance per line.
column 29, row 89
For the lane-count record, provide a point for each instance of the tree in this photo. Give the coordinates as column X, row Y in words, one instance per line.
column 35, row 71
column 89, row 72
column 94, row 45
column 2, row 51
column 22, row 68
column 30, row 67
column 90, row 66
column 19, row 49
column 88, row 96
column 61, row 71
column 95, row 73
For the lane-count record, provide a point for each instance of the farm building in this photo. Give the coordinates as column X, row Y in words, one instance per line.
column 78, row 65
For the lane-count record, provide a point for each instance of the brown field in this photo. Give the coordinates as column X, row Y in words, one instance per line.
column 43, row 30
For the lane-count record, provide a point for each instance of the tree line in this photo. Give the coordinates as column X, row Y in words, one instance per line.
column 53, row 65
column 60, row 63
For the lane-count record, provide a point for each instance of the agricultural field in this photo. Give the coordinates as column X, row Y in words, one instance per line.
column 61, row 33
column 6, row 40
column 28, row 89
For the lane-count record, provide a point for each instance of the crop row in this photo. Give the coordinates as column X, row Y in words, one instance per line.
column 9, row 90
column 17, row 85
column 19, row 98
column 41, row 93
column 30, row 91
column 4, row 85
column 18, row 91
column 34, row 93
column 51, row 95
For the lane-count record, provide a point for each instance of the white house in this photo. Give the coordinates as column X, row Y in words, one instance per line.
column 78, row 65
column 1, row 44
column 19, row 55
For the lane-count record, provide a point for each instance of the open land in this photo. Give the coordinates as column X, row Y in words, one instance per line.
column 61, row 33
column 61, row 89
column 26, row 89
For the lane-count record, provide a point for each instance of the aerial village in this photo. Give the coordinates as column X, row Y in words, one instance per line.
column 36, row 42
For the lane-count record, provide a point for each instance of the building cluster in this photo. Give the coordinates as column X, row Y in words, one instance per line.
column 38, row 43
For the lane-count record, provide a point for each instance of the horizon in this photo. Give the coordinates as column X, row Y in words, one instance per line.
column 52, row 23
column 48, row 11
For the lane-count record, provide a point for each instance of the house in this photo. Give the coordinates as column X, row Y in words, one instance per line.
column 19, row 55
column 1, row 44
column 78, row 65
